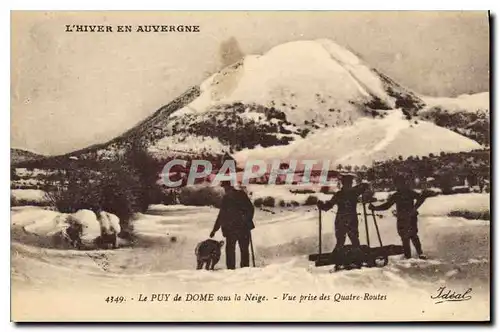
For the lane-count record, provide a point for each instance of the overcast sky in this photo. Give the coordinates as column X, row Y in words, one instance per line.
column 70, row 90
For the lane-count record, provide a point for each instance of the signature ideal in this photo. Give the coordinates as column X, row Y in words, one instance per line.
column 448, row 295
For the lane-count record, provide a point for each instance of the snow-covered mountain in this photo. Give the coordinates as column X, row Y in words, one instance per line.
column 302, row 98
column 308, row 81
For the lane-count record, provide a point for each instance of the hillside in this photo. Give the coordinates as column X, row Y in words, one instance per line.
column 467, row 115
column 19, row 155
column 311, row 98
column 368, row 141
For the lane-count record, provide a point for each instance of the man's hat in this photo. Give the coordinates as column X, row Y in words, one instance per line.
column 346, row 176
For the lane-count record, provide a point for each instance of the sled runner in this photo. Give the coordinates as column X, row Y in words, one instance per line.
column 361, row 256
column 348, row 256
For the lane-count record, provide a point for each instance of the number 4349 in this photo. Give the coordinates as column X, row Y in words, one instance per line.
column 115, row 299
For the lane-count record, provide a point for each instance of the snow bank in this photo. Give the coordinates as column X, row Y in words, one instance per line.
column 382, row 195
column 38, row 221
column 444, row 204
column 109, row 222
column 29, row 195
column 275, row 191
column 163, row 207
column 91, row 226
column 47, row 224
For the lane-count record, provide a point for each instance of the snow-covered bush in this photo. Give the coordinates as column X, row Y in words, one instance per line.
column 82, row 229
column 24, row 197
column 122, row 187
column 115, row 189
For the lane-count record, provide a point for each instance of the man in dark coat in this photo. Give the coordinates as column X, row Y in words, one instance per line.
column 235, row 219
column 346, row 221
column 407, row 202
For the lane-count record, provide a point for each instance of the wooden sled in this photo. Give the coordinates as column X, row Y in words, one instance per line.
column 364, row 255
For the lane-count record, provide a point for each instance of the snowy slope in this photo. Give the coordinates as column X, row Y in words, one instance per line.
column 367, row 141
column 479, row 102
column 468, row 115
column 20, row 155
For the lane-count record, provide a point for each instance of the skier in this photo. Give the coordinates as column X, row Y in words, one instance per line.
column 235, row 219
column 407, row 203
column 346, row 221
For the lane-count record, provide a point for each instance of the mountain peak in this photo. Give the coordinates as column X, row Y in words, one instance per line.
column 311, row 80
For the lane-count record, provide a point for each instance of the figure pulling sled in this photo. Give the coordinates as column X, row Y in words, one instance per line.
column 346, row 224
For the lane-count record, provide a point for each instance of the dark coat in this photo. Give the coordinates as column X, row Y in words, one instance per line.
column 407, row 202
column 346, row 201
column 235, row 214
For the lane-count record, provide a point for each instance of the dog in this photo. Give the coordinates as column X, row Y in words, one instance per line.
column 208, row 252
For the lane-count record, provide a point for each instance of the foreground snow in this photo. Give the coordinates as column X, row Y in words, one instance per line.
column 163, row 262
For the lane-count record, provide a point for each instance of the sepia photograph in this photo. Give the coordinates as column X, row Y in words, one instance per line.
column 250, row 166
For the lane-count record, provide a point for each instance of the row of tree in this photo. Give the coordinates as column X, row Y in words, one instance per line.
column 445, row 170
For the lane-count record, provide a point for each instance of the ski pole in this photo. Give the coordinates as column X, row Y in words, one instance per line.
column 366, row 224
column 251, row 249
column 319, row 233
column 376, row 227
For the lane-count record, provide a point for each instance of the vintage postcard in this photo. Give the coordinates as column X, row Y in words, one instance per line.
column 250, row 166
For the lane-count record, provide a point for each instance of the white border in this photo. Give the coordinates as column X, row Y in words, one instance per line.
column 252, row 5
column 190, row 5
